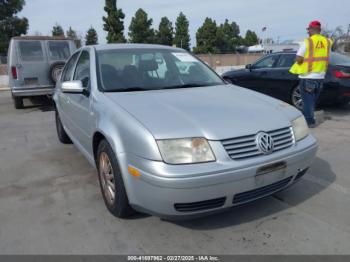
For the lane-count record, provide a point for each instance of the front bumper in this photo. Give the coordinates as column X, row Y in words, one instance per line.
column 173, row 191
column 32, row 91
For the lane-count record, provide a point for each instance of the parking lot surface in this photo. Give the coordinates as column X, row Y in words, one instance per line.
column 50, row 202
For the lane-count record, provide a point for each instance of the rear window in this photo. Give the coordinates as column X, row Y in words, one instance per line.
column 31, row 51
column 58, row 50
column 339, row 59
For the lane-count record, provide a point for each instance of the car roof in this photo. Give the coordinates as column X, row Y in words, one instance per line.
column 135, row 46
column 27, row 37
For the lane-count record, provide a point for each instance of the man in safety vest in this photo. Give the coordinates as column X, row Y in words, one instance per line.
column 311, row 66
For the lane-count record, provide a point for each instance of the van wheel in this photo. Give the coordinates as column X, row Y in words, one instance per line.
column 111, row 182
column 56, row 70
column 296, row 99
column 61, row 133
column 18, row 102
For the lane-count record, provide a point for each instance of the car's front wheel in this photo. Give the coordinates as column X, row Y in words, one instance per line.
column 61, row 133
column 296, row 98
column 111, row 182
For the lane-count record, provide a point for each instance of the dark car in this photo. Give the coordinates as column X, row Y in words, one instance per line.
column 270, row 75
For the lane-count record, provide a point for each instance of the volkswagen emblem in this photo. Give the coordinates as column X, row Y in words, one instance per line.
column 265, row 143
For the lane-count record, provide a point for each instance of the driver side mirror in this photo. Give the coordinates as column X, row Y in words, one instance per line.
column 72, row 87
column 249, row 66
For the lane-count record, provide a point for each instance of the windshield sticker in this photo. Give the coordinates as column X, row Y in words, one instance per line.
column 184, row 57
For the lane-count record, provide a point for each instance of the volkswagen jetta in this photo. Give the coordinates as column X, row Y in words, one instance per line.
column 174, row 142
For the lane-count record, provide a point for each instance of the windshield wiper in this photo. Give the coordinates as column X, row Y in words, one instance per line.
column 185, row 86
column 129, row 89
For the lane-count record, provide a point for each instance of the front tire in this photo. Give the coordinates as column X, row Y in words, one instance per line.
column 61, row 133
column 111, row 182
column 296, row 99
column 18, row 102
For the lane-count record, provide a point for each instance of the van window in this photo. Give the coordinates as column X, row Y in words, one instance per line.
column 31, row 50
column 58, row 50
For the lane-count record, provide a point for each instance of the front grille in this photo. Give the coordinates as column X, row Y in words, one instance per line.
column 245, row 147
column 198, row 206
column 248, row 196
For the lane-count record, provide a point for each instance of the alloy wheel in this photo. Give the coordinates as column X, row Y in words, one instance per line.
column 296, row 98
column 107, row 178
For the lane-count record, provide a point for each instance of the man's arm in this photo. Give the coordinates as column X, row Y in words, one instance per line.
column 301, row 53
column 299, row 59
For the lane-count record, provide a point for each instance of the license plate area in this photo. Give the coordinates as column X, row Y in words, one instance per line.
column 270, row 173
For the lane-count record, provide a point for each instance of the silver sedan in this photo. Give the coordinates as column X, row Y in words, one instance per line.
column 169, row 137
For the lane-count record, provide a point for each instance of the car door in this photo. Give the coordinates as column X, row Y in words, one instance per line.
column 80, row 104
column 62, row 102
column 259, row 75
column 283, row 81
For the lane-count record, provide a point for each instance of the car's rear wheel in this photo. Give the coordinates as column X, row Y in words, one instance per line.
column 61, row 133
column 296, row 98
column 18, row 102
column 111, row 182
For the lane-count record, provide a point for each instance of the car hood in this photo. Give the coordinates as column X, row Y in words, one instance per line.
column 216, row 112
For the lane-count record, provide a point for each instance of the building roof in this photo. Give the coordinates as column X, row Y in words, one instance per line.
column 27, row 37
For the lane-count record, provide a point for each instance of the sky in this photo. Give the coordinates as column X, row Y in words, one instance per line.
column 284, row 19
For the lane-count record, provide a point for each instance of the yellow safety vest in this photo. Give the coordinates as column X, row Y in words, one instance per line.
column 316, row 58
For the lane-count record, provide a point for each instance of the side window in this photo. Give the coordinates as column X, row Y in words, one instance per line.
column 82, row 71
column 286, row 60
column 31, row 51
column 68, row 70
column 267, row 62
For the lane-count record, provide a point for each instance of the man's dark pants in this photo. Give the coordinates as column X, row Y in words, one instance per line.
column 310, row 91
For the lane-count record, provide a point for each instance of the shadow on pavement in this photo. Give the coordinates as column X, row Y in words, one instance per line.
column 298, row 193
column 42, row 103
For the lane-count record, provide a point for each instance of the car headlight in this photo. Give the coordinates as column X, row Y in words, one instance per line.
column 300, row 128
column 185, row 151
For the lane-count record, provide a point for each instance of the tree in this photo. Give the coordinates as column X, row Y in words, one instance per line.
column 251, row 38
column 10, row 24
column 57, row 30
column 72, row 34
column 182, row 37
column 228, row 36
column 207, row 40
column 165, row 33
column 91, row 37
column 113, row 22
column 140, row 30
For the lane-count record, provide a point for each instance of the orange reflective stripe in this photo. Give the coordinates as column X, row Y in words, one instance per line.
column 328, row 52
column 311, row 54
column 317, row 59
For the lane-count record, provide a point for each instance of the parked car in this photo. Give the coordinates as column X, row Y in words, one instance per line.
column 174, row 142
column 34, row 64
column 270, row 75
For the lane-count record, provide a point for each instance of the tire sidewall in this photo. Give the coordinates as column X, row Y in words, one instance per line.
column 120, row 208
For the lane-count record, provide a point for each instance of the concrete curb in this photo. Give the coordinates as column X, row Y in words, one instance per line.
column 4, row 88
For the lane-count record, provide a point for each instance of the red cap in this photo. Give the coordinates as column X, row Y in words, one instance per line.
column 314, row 24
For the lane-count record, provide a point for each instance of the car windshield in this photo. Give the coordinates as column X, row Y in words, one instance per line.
column 59, row 50
column 150, row 69
column 339, row 59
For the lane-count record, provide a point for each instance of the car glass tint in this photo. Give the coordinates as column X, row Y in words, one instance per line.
column 82, row 71
column 147, row 69
column 58, row 50
column 31, row 51
column 286, row 60
column 68, row 70
column 267, row 62
column 339, row 59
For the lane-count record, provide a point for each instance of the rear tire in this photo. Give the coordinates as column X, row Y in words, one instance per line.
column 111, row 182
column 296, row 99
column 61, row 133
column 18, row 102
